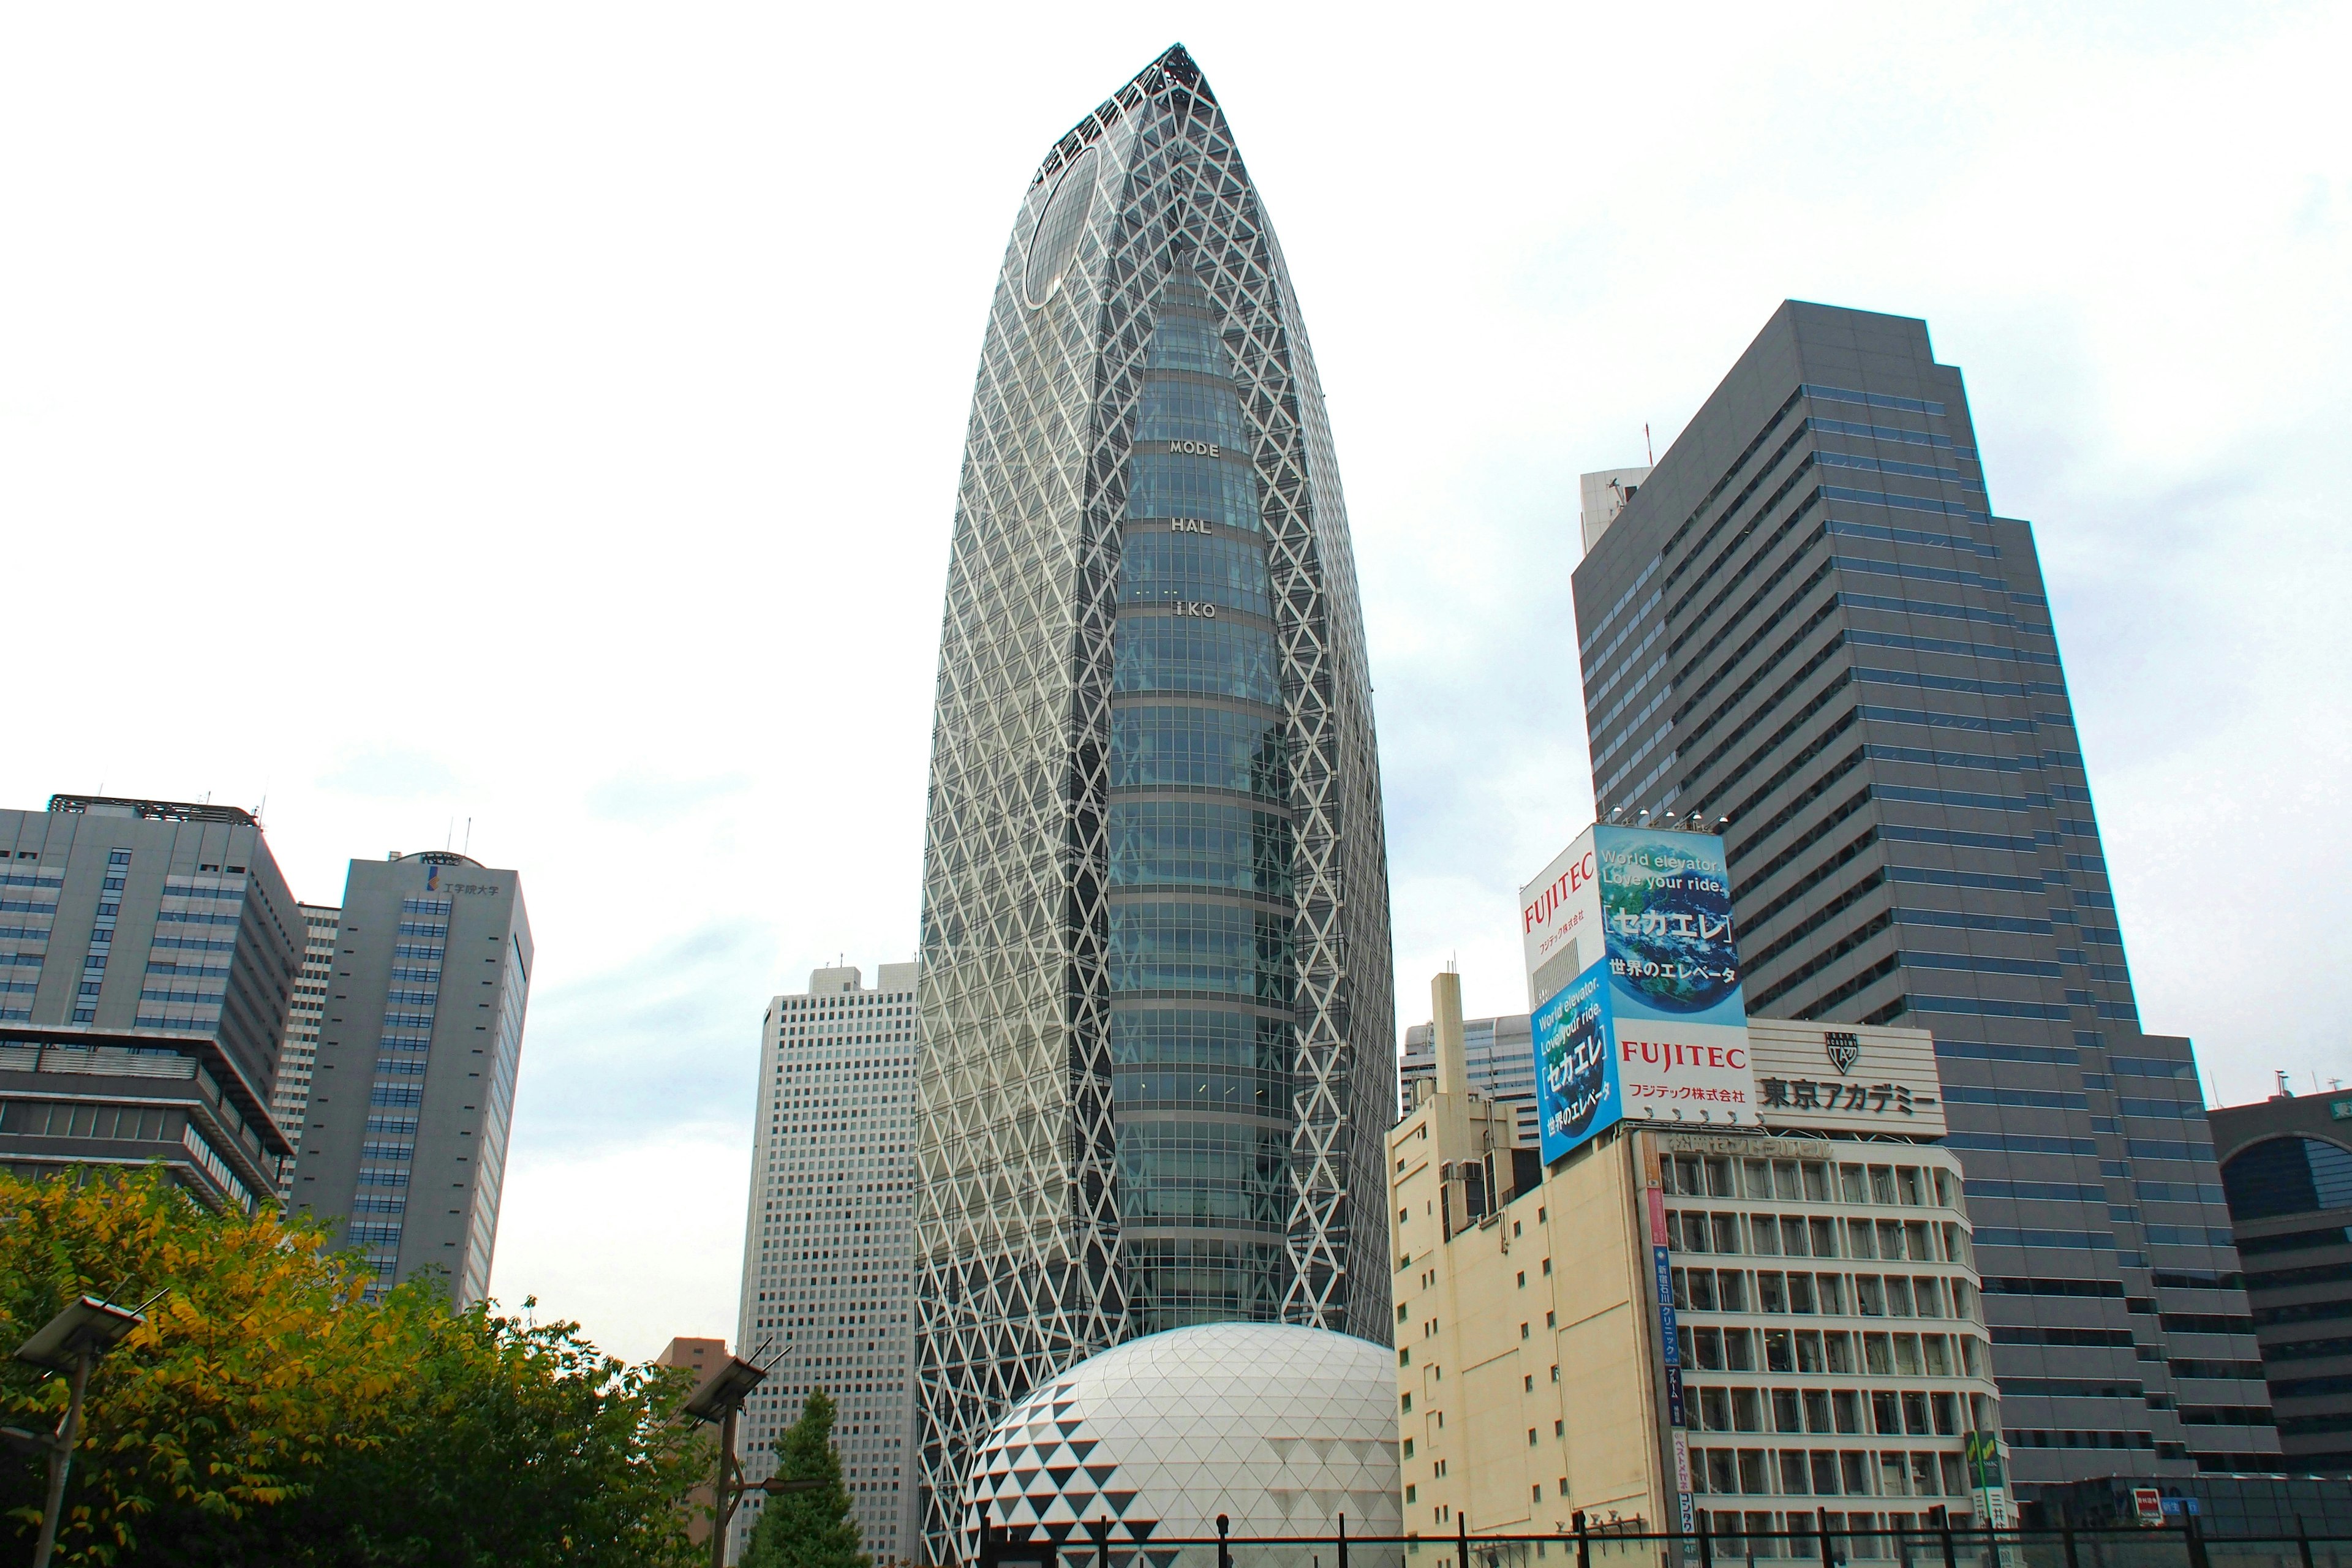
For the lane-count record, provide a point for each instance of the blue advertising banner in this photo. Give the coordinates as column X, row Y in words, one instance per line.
column 1666, row 909
column 1633, row 986
column 1660, row 1261
column 1576, row 1072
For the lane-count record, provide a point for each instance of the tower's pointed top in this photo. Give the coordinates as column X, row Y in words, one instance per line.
column 1175, row 69
column 1178, row 64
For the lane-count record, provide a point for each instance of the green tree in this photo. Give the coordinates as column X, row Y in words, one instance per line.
column 811, row 1529
column 267, row 1413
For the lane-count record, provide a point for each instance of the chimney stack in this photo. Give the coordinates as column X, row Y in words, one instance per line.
column 1445, row 1032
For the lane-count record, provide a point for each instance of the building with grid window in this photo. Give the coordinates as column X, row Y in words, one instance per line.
column 298, row 1056
column 1762, row 1325
column 404, row 1142
column 828, row 1292
column 1158, row 1047
column 1808, row 620
column 147, row 955
column 1498, row 1060
column 2286, row 1169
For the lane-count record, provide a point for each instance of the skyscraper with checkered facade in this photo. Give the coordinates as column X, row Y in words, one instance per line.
column 1808, row 619
column 1156, row 1010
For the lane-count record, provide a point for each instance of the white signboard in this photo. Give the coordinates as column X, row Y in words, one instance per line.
column 1846, row 1078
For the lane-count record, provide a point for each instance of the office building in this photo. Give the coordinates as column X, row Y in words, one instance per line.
column 148, row 951
column 1159, row 1033
column 1602, row 496
column 2287, row 1171
column 1269, row 1429
column 701, row 1357
column 404, row 1144
column 1809, row 622
column 828, row 1241
column 1497, row 1060
column 1820, row 1347
column 298, row 1057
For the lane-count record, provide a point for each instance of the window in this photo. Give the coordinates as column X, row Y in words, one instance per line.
column 2287, row 1175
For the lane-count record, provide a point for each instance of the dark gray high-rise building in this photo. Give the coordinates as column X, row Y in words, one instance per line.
column 2287, row 1165
column 148, row 952
column 404, row 1139
column 1810, row 621
column 1157, row 1022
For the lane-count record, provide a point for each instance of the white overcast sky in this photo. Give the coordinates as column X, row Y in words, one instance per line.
column 547, row 417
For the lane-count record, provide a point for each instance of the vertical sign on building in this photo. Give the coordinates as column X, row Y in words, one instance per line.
column 1985, row 1480
column 1668, row 1340
column 1634, row 982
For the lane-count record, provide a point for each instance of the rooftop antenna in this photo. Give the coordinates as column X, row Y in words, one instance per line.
column 449, row 835
column 469, row 836
column 1653, row 451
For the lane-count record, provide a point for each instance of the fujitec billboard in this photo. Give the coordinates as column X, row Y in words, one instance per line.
column 1634, row 982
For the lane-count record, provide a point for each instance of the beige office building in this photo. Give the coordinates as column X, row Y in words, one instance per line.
column 1827, row 1347
column 298, row 1055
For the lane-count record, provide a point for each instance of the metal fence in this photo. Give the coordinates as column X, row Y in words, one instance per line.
column 2182, row 1545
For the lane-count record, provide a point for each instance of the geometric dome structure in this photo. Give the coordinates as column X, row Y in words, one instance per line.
column 1282, row 1428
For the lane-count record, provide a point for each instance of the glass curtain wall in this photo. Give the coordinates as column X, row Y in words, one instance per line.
column 1201, row 839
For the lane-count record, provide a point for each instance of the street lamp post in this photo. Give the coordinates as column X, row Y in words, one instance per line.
column 720, row 1401
column 68, row 1344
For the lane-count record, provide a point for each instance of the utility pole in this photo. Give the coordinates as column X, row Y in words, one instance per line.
column 69, row 1342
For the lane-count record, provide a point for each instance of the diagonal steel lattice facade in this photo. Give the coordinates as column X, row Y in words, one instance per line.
column 1156, row 1006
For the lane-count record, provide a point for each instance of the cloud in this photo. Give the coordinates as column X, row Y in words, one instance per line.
column 653, row 797
column 391, row 775
column 670, row 1036
column 641, row 1240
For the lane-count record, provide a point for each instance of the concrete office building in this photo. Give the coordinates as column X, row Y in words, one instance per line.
column 147, row 953
column 829, row 1242
column 1605, row 495
column 298, row 1057
column 1160, row 1040
column 404, row 1146
column 701, row 1357
column 1497, row 1058
column 2286, row 1169
column 1810, row 621
column 1828, row 1350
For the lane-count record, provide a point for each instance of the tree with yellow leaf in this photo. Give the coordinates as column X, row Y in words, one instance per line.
column 267, row 1413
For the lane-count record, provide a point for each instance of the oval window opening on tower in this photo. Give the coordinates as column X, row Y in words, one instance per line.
column 1056, row 237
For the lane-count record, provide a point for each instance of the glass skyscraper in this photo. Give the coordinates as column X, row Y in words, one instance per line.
column 1157, row 1014
column 1810, row 621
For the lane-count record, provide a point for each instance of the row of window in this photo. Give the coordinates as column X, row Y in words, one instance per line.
column 1201, row 947
column 1792, row 1472
column 63, row 1119
column 1876, row 1352
column 1203, row 1174
column 1179, row 484
column 1142, row 1089
column 1198, row 1036
column 1202, row 657
column 1884, row 1412
column 1157, row 567
column 1177, row 410
column 1200, row 844
column 1810, row 1181
column 1873, row 1296
column 1805, row 1235
column 1208, row 747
